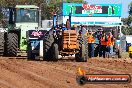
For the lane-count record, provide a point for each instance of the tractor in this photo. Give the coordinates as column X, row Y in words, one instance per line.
column 64, row 43
column 22, row 19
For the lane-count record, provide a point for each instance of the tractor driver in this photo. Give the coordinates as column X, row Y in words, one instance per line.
column 26, row 16
column 57, row 28
column 57, row 31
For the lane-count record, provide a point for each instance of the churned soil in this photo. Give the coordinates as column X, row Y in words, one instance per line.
column 21, row 73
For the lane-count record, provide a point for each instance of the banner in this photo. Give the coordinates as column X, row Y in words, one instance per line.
column 87, row 10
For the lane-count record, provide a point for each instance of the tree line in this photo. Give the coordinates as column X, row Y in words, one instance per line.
column 127, row 22
column 47, row 6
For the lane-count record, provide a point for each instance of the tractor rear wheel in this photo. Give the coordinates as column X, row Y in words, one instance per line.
column 12, row 44
column 48, row 44
column 55, row 52
column 2, row 41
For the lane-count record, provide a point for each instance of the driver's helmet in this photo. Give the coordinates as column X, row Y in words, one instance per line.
column 27, row 13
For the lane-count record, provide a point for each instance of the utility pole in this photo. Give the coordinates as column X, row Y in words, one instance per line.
column 40, row 14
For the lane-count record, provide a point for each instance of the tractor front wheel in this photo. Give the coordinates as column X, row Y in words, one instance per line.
column 47, row 48
column 82, row 56
column 30, row 55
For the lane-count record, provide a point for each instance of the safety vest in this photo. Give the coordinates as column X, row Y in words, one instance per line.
column 103, row 41
column 110, row 41
column 91, row 39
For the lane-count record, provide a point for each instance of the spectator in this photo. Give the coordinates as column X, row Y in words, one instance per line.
column 110, row 43
column 91, row 41
column 99, row 36
column 83, row 31
column 104, row 40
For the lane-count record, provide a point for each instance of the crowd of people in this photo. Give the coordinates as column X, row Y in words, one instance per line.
column 105, row 42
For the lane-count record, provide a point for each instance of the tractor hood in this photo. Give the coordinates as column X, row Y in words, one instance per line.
column 25, row 27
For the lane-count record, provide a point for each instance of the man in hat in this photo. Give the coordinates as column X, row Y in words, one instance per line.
column 99, row 35
column 110, row 43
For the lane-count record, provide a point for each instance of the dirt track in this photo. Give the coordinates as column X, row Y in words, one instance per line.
column 20, row 73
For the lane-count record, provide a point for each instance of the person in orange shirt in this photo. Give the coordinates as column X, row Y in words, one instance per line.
column 110, row 43
column 91, row 41
column 104, row 40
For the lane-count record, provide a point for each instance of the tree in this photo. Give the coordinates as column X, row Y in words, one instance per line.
column 56, row 6
column 130, row 8
column 127, row 29
column 47, row 6
column 130, row 14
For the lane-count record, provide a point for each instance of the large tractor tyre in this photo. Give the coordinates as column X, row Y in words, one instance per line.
column 12, row 44
column 47, row 48
column 2, row 41
column 30, row 55
column 82, row 56
column 55, row 52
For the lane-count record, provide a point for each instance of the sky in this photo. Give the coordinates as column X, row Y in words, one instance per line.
column 124, row 3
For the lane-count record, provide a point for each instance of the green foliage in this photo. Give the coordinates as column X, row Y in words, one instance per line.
column 127, row 30
column 127, row 21
column 130, row 8
column 47, row 6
